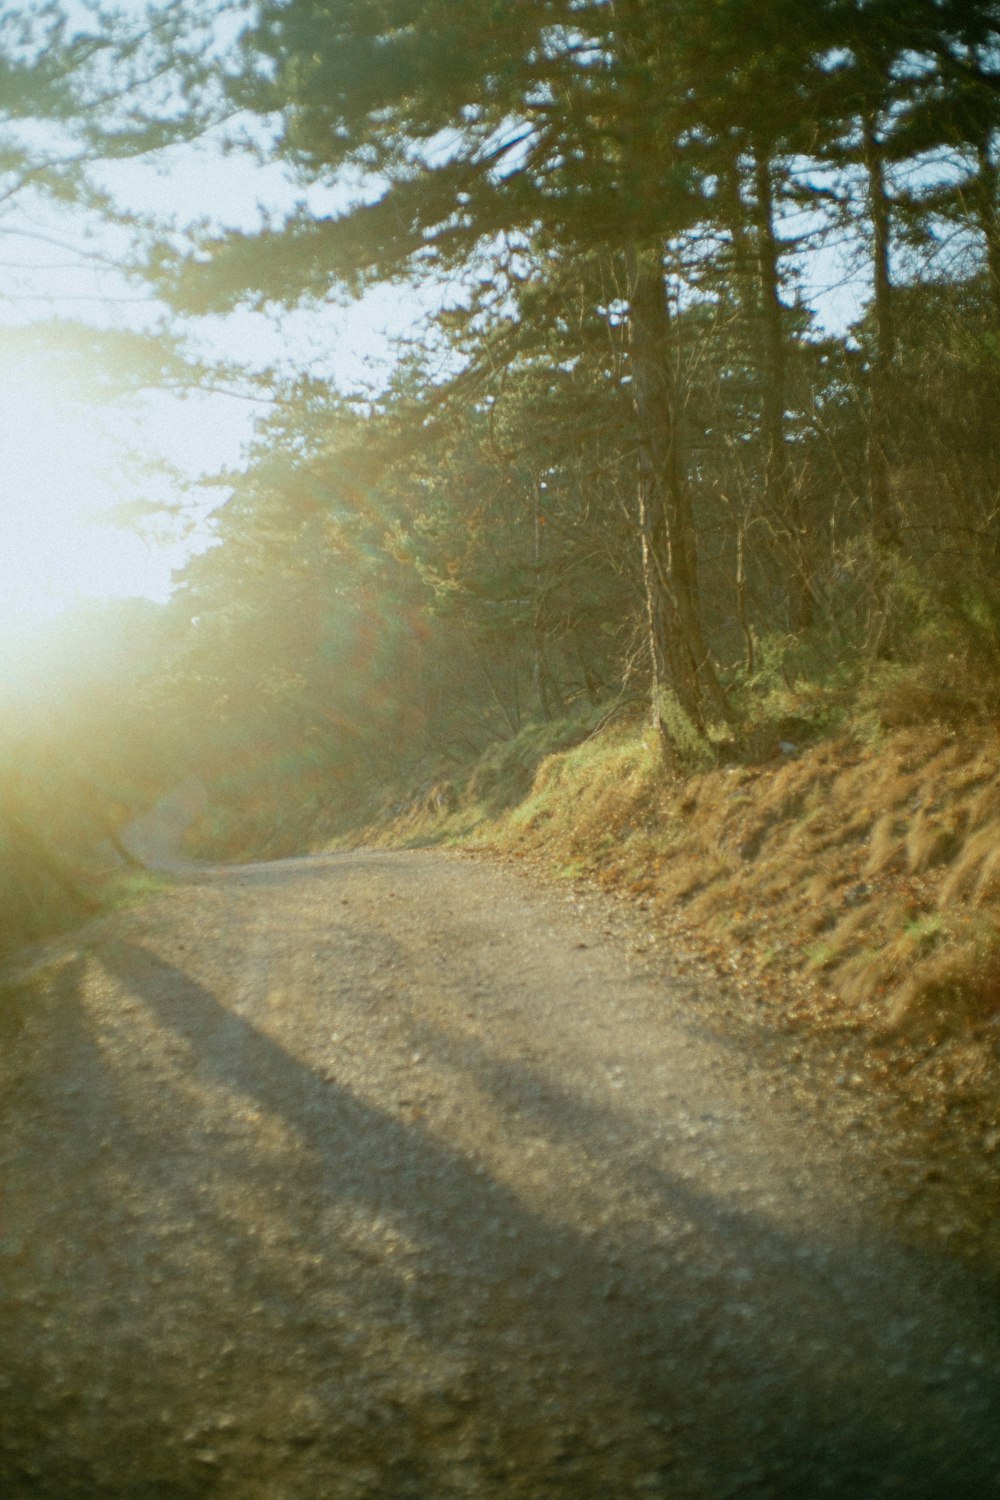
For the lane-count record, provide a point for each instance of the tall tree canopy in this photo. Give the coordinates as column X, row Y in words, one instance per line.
column 690, row 169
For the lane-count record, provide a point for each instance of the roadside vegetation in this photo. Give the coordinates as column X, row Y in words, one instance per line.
column 84, row 747
column 857, row 878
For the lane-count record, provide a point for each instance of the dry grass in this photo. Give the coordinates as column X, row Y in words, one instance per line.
column 874, row 872
column 862, row 882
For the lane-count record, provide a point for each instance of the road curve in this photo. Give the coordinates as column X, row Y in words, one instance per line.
column 386, row 1176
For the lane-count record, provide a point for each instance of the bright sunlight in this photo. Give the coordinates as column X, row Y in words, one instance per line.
column 58, row 481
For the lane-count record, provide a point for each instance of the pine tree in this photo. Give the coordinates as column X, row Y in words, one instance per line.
column 468, row 128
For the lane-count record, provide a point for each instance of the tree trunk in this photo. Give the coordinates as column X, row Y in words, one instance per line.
column 885, row 523
column 987, row 210
column 772, row 338
column 550, row 699
column 680, row 663
column 781, row 491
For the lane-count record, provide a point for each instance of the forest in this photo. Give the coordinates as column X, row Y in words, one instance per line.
column 694, row 436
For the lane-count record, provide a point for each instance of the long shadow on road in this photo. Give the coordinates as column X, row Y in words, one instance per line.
column 372, row 1302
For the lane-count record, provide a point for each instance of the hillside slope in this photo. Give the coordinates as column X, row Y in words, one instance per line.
column 841, row 887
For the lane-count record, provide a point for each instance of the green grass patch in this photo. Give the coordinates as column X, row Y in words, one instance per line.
column 127, row 888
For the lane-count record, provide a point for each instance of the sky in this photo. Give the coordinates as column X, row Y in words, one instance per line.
column 68, row 462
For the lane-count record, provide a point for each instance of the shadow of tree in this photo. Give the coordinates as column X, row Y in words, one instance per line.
column 237, row 1262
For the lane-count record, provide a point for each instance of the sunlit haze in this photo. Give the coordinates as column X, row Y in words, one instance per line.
column 58, row 481
column 67, row 464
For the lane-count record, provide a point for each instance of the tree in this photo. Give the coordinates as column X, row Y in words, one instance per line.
column 502, row 149
column 76, row 93
column 469, row 130
column 761, row 100
column 954, row 109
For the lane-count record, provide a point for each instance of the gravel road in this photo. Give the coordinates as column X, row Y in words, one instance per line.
column 393, row 1176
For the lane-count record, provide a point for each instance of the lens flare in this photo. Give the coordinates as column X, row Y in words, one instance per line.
column 56, row 482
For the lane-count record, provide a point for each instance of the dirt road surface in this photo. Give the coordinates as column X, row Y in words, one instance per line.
column 389, row 1176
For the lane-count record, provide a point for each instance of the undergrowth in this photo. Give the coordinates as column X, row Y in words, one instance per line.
column 873, row 870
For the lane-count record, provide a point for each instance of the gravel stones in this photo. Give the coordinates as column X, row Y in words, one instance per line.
column 403, row 1179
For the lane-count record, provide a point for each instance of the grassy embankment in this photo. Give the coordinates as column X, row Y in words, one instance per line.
column 857, row 877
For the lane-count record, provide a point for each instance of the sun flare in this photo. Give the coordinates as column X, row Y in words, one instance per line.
column 57, row 482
